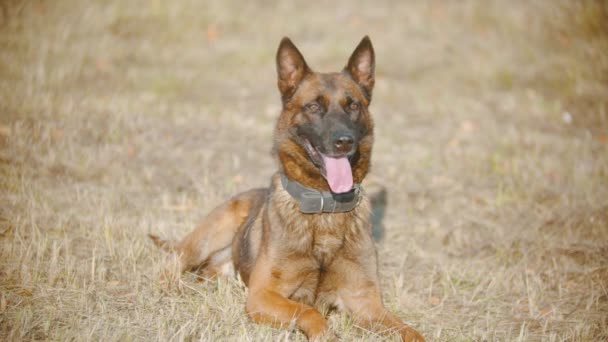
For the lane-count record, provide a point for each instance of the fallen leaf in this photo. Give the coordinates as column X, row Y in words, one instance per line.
column 434, row 300
column 3, row 303
column 570, row 285
column 212, row 33
column 545, row 311
column 24, row 292
column 5, row 130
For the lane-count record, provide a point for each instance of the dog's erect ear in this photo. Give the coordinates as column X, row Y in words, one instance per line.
column 361, row 66
column 291, row 68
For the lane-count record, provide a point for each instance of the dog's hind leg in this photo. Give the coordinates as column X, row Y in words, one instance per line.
column 208, row 246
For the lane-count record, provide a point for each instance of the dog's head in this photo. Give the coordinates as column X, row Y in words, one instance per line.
column 324, row 135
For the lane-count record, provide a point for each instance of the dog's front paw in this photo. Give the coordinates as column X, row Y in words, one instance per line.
column 411, row 335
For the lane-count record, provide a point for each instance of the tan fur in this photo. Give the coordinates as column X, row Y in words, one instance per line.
column 293, row 263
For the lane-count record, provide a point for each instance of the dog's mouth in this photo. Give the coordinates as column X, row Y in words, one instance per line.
column 336, row 169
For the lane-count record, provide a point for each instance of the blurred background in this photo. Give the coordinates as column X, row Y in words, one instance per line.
column 120, row 118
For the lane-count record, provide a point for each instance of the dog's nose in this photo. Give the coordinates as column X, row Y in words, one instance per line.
column 344, row 143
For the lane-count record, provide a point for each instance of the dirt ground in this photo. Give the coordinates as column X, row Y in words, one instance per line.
column 121, row 118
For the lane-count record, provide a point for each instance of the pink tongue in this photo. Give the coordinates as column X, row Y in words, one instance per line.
column 339, row 175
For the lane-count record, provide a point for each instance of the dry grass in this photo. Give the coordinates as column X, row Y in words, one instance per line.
column 119, row 118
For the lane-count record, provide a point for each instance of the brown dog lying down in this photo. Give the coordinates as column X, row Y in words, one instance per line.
column 306, row 241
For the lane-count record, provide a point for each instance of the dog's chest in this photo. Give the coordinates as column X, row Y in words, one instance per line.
column 318, row 247
column 324, row 237
column 325, row 245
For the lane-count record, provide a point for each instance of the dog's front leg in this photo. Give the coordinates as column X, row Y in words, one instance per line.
column 358, row 292
column 368, row 311
column 268, row 306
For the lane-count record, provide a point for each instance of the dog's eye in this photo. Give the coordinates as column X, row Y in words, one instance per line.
column 354, row 106
column 313, row 107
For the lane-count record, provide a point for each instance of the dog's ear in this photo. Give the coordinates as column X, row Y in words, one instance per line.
column 361, row 66
column 291, row 68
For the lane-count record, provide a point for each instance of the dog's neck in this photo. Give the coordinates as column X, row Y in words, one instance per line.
column 313, row 201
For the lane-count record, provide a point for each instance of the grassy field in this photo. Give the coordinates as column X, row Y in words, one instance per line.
column 121, row 118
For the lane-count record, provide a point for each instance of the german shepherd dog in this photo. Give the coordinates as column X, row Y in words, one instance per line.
column 306, row 241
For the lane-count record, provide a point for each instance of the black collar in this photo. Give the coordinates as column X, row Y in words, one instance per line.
column 313, row 201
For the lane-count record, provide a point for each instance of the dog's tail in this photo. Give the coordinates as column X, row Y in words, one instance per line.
column 166, row 245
